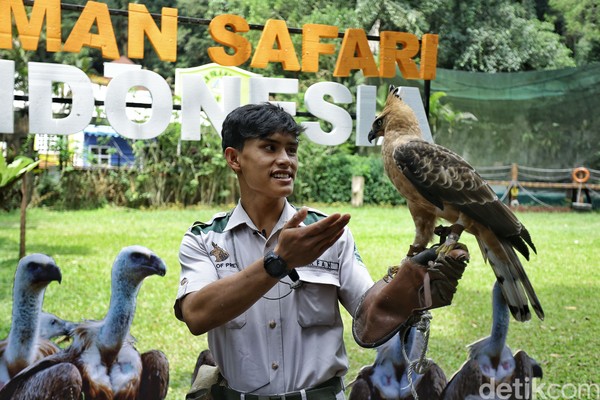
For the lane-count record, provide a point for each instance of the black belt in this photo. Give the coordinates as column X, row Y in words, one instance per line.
column 324, row 391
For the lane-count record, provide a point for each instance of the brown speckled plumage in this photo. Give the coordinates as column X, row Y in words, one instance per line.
column 438, row 183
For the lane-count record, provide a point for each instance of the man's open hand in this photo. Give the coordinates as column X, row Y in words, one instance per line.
column 301, row 245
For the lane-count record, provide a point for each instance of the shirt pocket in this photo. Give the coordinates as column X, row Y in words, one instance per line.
column 317, row 304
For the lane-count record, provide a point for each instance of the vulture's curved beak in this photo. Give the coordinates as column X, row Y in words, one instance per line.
column 156, row 265
column 47, row 272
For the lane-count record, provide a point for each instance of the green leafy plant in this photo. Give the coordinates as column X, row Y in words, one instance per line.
column 10, row 173
column 13, row 171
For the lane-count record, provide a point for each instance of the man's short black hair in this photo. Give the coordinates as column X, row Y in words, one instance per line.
column 257, row 121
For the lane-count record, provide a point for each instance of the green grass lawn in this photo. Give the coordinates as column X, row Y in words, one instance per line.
column 565, row 274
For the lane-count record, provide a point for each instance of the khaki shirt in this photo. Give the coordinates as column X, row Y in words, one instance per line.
column 292, row 338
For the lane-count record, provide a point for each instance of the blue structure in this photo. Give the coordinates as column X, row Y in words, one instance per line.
column 102, row 146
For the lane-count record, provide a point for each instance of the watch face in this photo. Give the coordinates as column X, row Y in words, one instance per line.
column 275, row 266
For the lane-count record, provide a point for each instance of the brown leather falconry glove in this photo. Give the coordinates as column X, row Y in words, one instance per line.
column 420, row 283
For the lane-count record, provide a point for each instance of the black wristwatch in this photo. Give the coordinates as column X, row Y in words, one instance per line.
column 275, row 265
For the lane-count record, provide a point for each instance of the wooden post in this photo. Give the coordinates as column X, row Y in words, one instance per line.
column 358, row 190
column 514, row 172
column 513, row 188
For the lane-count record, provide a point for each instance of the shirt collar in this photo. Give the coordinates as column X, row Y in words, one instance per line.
column 240, row 217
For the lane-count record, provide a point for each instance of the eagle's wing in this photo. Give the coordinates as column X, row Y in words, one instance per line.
column 432, row 383
column 361, row 388
column 446, row 179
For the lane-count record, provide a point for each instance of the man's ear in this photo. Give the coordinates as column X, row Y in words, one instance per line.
column 231, row 156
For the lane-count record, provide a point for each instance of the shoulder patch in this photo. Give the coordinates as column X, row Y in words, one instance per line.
column 216, row 224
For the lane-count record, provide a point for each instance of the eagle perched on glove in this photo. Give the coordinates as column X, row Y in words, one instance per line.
column 438, row 183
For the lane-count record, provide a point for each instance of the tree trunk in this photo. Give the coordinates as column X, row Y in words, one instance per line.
column 23, row 215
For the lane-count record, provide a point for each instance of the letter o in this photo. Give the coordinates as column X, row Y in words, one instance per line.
column 116, row 104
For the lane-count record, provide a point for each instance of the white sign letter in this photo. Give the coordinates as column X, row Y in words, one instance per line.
column 196, row 95
column 41, row 120
column 116, row 99
column 337, row 116
column 7, row 87
column 260, row 88
column 366, row 103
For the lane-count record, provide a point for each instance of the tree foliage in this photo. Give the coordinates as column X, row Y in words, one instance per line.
column 475, row 35
column 579, row 23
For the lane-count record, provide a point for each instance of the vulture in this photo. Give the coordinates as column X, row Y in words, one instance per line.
column 388, row 377
column 491, row 362
column 438, row 183
column 205, row 375
column 52, row 327
column 24, row 344
column 204, row 358
column 102, row 363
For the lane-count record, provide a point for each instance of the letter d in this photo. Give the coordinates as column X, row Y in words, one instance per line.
column 41, row 114
column 487, row 394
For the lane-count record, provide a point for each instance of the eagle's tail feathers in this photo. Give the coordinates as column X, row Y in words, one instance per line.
column 482, row 248
column 527, row 238
column 521, row 314
column 516, row 299
column 515, row 296
column 524, row 279
column 520, row 245
column 510, row 277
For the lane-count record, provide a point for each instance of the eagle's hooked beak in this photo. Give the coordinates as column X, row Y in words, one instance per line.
column 372, row 135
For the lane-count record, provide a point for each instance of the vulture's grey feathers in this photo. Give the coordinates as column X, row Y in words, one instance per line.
column 103, row 351
column 24, row 346
column 52, row 327
column 491, row 360
column 388, row 378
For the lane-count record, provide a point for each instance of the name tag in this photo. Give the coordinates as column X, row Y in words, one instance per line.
column 321, row 271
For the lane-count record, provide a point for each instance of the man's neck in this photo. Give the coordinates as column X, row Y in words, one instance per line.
column 264, row 214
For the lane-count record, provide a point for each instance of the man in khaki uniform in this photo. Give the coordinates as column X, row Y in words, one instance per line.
column 265, row 280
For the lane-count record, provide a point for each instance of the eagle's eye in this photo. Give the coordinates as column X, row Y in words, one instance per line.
column 379, row 122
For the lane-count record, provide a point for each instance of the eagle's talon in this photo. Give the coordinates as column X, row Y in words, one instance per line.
column 415, row 249
column 444, row 248
column 391, row 273
column 460, row 246
column 460, row 253
column 443, row 232
column 457, row 251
